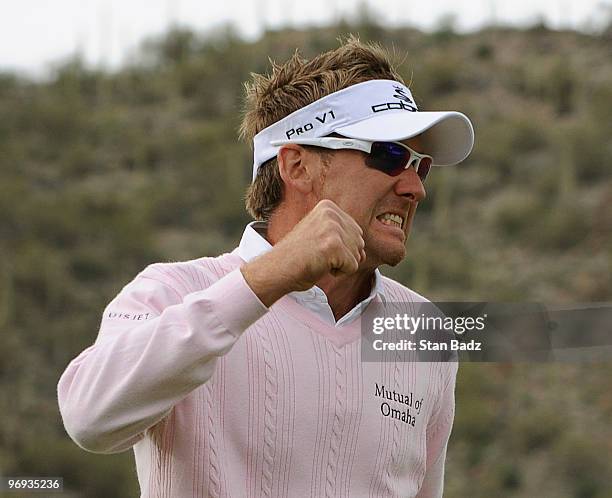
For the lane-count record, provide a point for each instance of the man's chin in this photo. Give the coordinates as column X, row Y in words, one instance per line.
column 394, row 260
column 391, row 256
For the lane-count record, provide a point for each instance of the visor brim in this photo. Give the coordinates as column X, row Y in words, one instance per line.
column 448, row 136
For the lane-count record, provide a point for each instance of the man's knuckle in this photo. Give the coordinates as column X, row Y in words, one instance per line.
column 330, row 226
column 331, row 242
column 326, row 245
column 325, row 205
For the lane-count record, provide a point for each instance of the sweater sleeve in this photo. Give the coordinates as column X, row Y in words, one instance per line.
column 438, row 433
column 154, row 347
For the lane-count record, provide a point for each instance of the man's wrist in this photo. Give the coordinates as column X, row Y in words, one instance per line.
column 267, row 279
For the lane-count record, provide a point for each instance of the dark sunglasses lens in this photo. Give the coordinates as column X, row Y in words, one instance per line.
column 388, row 157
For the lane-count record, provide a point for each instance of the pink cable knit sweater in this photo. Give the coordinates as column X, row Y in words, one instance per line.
column 220, row 396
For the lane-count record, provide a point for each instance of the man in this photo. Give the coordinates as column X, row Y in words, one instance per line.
column 241, row 375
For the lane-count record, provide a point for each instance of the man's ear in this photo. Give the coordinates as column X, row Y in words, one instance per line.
column 295, row 165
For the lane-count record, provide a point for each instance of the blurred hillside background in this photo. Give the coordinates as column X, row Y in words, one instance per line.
column 102, row 173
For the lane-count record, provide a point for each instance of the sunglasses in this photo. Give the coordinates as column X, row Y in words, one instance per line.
column 391, row 158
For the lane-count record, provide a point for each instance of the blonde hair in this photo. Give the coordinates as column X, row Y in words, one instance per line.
column 293, row 85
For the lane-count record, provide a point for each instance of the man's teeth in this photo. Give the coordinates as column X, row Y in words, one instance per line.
column 392, row 219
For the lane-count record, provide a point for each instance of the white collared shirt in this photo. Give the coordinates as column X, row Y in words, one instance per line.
column 254, row 243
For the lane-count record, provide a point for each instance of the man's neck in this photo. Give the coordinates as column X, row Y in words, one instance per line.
column 344, row 292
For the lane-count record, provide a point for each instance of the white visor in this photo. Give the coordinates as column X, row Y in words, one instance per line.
column 375, row 110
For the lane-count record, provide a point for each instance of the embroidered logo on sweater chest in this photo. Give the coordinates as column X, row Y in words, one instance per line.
column 400, row 406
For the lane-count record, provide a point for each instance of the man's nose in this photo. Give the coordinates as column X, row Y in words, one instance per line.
column 409, row 185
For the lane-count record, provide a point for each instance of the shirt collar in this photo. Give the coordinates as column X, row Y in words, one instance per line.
column 253, row 243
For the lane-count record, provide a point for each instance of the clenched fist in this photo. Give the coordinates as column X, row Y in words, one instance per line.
column 326, row 240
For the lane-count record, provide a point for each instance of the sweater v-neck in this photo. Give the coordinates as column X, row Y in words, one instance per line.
column 339, row 335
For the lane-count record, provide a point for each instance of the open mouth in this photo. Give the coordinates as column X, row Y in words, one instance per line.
column 390, row 219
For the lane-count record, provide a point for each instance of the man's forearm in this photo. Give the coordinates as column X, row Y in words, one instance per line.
column 137, row 371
